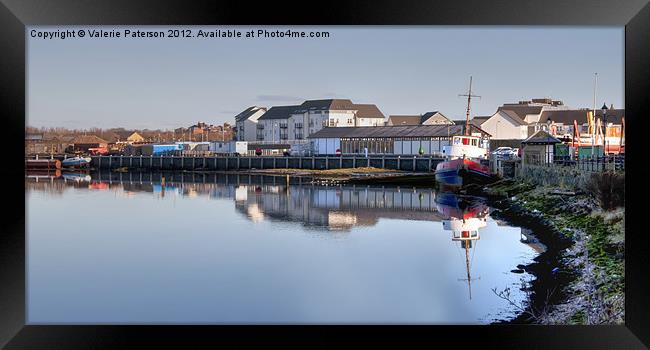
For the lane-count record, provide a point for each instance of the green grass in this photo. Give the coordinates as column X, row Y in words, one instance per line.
column 599, row 247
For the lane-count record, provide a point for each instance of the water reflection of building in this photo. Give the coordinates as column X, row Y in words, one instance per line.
column 464, row 218
column 334, row 207
column 261, row 197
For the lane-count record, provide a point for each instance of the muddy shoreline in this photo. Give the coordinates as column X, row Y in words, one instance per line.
column 551, row 276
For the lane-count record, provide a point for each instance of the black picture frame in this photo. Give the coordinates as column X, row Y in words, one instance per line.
column 15, row 15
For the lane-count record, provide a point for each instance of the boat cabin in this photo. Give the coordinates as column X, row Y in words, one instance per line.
column 466, row 146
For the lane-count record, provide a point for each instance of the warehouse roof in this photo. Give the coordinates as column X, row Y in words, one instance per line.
column 393, row 131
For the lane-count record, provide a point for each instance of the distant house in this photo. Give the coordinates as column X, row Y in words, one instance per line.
column 203, row 132
column 125, row 137
column 47, row 144
column 562, row 121
column 135, row 137
column 82, row 143
column 517, row 121
column 505, row 125
column 296, row 122
column 428, row 118
column 246, row 123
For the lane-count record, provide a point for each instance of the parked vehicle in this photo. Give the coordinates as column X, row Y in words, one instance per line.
column 300, row 150
column 515, row 153
column 502, row 151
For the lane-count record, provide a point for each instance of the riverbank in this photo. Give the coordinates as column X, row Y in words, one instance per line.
column 580, row 278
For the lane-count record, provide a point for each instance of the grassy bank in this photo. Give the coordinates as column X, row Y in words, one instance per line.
column 595, row 257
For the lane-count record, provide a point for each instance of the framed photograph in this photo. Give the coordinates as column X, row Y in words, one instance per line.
column 229, row 171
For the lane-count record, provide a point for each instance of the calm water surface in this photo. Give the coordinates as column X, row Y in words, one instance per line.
column 124, row 248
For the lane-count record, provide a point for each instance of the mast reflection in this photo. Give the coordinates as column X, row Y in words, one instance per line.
column 464, row 217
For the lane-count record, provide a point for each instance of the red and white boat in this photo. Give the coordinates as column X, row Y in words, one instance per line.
column 462, row 164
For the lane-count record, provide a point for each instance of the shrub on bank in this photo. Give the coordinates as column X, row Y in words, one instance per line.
column 608, row 188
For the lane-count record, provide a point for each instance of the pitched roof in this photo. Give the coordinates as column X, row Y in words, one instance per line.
column 88, row 139
column 478, row 120
column 567, row 117
column 391, row 131
column 334, row 103
column 514, row 116
column 541, row 137
column 363, row 110
column 248, row 112
column 405, row 119
column 279, row 112
column 368, row 111
column 415, row 119
column 522, row 111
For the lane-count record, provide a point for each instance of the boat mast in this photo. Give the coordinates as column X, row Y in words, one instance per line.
column 469, row 100
column 469, row 277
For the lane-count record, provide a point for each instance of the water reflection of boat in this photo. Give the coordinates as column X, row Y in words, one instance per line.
column 77, row 177
column 464, row 217
column 98, row 186
column 464, row 156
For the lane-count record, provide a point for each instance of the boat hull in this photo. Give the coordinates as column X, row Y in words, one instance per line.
column 459, row 172
column 76, row 162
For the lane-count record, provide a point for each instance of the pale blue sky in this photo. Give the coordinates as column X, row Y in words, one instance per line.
column 167, row 83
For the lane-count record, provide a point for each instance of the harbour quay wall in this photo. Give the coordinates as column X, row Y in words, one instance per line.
column 222, row 163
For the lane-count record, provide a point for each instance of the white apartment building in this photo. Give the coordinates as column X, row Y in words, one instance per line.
column 246, row 123
column 284, row 123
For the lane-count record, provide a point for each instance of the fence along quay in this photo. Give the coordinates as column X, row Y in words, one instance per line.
column 222, row 163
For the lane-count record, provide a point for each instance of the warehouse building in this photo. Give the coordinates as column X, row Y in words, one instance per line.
column 389, row 140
